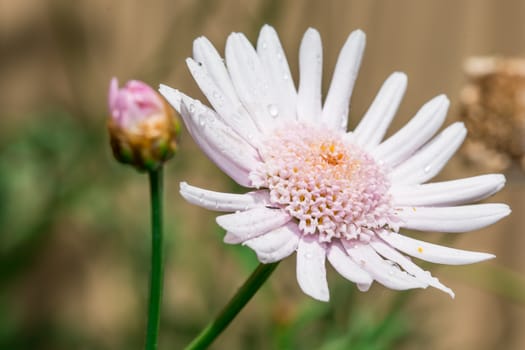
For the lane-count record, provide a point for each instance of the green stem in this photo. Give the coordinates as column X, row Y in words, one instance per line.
column 240, row 299
column 155, row 287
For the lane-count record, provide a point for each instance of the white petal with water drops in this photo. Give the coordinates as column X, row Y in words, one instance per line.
column 250, row 80
column 175, row 98
column 274, row 61
column 419, row 130
column 448, row 193
column 404, row 262
column 430, row 159
column 237, row 172
column 231, row 112
column 311, row 270
column 276, row 244
column 452, row 219
column 220, row 201
column 370, row 131
column 225, row 142
column 310, row 72
column 206, row 54
column 336, row 106
column 381, row 270
column 247, row 224
column 346, row 267
column 432, row 252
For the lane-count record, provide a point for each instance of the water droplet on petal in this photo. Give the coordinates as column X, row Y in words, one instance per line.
column 191, row 108
column 218, row 98
column 202, row 120
column 343, row 121
column 427, row 169
column 264, row 45
column 206, row 119
column 273, row 110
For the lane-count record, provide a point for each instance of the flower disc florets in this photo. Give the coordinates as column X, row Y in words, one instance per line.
column 330, row 185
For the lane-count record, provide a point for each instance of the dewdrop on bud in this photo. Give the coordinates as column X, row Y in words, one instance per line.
column 142, row 127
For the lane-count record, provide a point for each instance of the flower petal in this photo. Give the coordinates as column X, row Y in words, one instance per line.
column 251, row 223
column 251, row 81
column 311, row 270
column 335, row 109
column 372, row 128
column 452, row 219
column 220, row 143
column 432, row 252
column 346, row 267
column 276, row 244
column 205, row 53
column 424, row 276
column 419, row 130
column 274, row 61
column 310, row 74
column 113, row 94
column 220, row 201
column 382, row 271
column 430, row 159
column 175, row 98
column 447, row 193
column 228, row 109
column 180, row 102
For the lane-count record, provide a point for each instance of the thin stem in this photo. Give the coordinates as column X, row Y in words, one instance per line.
column 239, row 300
column 156, row 277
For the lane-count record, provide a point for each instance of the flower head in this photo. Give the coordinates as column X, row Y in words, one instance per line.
column 142, row 126
column 319, row 190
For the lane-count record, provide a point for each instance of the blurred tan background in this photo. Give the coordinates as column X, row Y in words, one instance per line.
column 74, row 244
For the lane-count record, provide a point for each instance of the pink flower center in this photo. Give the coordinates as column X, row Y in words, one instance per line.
column 331, row 186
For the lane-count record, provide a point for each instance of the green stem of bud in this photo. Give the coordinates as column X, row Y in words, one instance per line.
column 156, row 277
column 239, row 300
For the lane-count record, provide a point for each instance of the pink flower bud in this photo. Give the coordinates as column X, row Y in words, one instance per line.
column 142, row 127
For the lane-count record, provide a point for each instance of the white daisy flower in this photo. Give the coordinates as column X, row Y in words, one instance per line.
column 319, row 190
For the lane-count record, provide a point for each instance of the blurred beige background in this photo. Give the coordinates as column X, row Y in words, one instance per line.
column 63, row 53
